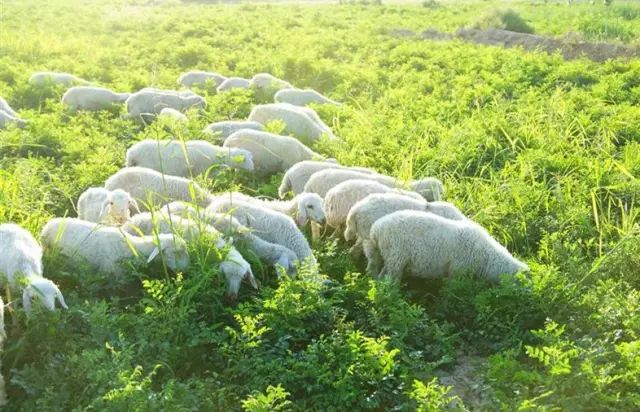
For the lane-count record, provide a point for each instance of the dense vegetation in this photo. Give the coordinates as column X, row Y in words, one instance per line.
column 544, row 153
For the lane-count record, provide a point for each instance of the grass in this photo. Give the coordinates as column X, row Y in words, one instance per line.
column 542, row 152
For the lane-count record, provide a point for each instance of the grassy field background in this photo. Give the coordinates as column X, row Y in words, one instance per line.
column 543, row 152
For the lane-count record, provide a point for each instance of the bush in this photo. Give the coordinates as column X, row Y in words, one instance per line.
column 505, row 20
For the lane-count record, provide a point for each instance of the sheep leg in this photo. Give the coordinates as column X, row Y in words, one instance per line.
column 374, row 258
column 394, row 267
column 357, row 250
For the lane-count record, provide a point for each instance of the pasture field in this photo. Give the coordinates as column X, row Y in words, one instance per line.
column 544, row 153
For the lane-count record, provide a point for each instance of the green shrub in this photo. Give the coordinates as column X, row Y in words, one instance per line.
column 503, row 19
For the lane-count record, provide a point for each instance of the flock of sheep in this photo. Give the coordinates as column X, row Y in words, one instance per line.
column 149, row 209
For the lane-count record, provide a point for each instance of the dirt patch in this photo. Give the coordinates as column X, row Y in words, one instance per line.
column 467, row 381
column 570, row 47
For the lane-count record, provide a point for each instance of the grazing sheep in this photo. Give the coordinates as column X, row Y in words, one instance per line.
column 269, row 253
column 321, row 182
column 303, row 207
column 42, row 78
column 99, row 205
column 169, row 113
column 233, row 83
column 6, row 119
column 92, row 98
column 272, row 153
column 366, row 211
column 21, row 264
column 302, row 97
column 226, row 128
column 106, row 247
column 233, row 266
column 297, row 175
column 301, row 122
column 150, row 187
column 186, row 158
column 267, row 224
column 200, row 78
column 339, row 200
column 4, row 106
column 151, row 101
column 267, row 85
column 430, row 246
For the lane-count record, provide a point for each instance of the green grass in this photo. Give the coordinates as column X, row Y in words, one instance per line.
column 544, row 153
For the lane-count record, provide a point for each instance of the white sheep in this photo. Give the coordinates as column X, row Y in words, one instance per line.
column 321, row 182
column 302, row 208
column 226, row 128
column 429, row 246
column 201, row 78
column 339, row 199
column 371, row 208
column 99, row 205
column 267, row 85
column 267, row 224
column 6, row 119
column 298, row 121
column 234, row 267
column 92, row 98
column 106, row 248
column 186, row 158
column 269, row 253
column 21, row 264
column 272, row 153
column 66, row 79
column 150, row 187
column 233, row 83
column 297, row 175
column 4, row 106
column 302, row 97
column 173, row 114
column 151, row 101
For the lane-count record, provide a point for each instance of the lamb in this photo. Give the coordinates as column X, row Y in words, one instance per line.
column 105, row 247
column 6, row 119
column 234, row 267
column 297, row 175
column 200, row 78
column 321, row 182
column 92, row 98
column 21, row 264
column 430, row 246
column 226, row 128
column 66, row 79
column 274, row 227
column 272, row 153
column 186, row 158
column 301, row 122
column 339, row 200
column 303, row 207
column 302, row 97
column 169, row 113
column 4, row 106
column 156, row 188
column 233, row 83
column 99, row 205
column 153, row 101
column 368, row 210
column 269, row 253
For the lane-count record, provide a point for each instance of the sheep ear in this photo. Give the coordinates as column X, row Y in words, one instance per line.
column 103, row 209
column 61, row 298
column 301, row 217
column 252, row 279
column 153, row 255
column 134, row 205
